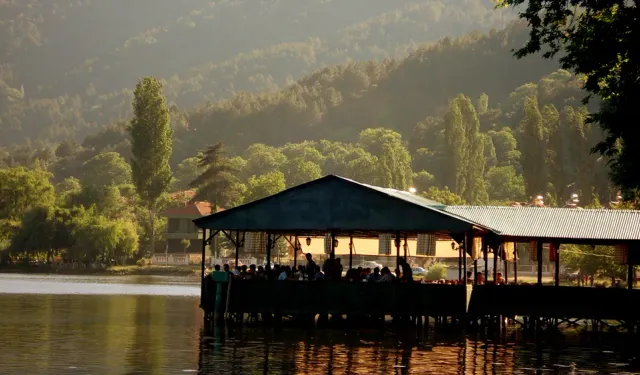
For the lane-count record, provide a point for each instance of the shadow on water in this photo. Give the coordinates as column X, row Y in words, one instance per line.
column 224, row 349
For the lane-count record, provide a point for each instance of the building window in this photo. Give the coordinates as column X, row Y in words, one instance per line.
column 173, row 226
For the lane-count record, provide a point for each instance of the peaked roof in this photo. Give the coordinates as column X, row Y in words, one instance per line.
column 337, row 204
column 192, row 209
column 555, row 223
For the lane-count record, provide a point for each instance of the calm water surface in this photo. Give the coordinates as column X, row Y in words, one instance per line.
column 152, row 325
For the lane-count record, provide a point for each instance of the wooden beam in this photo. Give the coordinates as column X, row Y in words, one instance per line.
column 539, row 255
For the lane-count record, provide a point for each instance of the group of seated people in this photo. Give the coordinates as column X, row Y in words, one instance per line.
column 332, row 269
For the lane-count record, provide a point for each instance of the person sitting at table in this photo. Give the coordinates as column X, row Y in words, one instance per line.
column 386, row 275
column 374, row 276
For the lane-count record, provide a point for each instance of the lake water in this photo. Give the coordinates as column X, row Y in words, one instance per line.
column 152, row 325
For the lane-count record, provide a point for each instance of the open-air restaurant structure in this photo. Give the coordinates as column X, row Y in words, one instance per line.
column 333, row 207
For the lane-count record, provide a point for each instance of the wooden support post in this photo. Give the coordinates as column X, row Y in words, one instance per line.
column 350, row 252
column 295, row 252
column 237, row 246
column 630, row 273
column 506, row 272
column 475, row 271
column 204, row 248
column 495, row 263
column 405, row 247
column 485, row 253
column 459, row 262
column 515, row 263
column 467, row 245
column 539, row 254
column 333, row 246
column 397, row 243
column 557, row 268
column 268, row 268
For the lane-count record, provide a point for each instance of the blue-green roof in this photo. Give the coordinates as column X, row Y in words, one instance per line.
column 337, row 204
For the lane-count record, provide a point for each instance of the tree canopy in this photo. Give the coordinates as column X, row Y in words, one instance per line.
column 597, row 39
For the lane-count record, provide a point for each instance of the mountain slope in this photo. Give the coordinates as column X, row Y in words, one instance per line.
column 74, row 63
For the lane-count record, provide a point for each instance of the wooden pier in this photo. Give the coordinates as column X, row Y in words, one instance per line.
column 340, row 207
column 484, row 305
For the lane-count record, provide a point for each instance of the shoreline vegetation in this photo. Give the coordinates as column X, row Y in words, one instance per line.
column 132, row 270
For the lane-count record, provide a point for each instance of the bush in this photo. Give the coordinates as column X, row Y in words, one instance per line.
column 141, row 262
column 437, row 271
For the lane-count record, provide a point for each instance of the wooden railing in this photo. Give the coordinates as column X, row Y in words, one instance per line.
column 303, row 297
column 555, row 302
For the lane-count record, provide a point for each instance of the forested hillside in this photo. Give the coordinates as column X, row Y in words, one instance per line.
column 460, row 119
column 70, row 67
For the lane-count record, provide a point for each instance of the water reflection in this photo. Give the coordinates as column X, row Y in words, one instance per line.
column 257, row 351
column 160, row 334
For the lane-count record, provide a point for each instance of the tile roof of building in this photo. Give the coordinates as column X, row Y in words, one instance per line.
column 194, row 209
column 557, row 223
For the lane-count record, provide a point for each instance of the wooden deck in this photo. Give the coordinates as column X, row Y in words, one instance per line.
column 555, row 302
column 326, row 297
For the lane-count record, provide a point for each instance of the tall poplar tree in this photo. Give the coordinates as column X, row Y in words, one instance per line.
column 464, row 173
column 534, row 166
column 456, row 145
column 151, row 146
column 476, row 192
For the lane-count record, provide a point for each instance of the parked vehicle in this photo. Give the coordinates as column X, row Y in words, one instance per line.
column 419, row 271
column 372, row 265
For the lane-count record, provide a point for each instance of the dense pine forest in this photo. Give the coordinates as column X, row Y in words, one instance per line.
column 261, row 96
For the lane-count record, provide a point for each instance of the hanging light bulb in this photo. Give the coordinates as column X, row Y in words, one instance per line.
column 308, row 241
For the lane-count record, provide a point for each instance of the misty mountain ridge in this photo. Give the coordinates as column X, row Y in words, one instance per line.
column 71, row 66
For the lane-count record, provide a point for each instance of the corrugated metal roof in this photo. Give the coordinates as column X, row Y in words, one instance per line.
column 557, row 223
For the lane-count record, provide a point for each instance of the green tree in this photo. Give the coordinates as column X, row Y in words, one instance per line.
column 44, row 229
column 106, row 169
column 506, row 147
column 504, row 184
column 534, row 149
column 264, row 185
column 597, row 39
column 465, row 149
column 262, row 159
column 216, row 183
column 187, row 171
column 483, row 104
column 66, row 190
column 21, row 189
column 298, row 171
column 151, row 143
column 423, row 180
column 107, row 200
column 393, row 156
column 456, row 160
column 444, row 196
